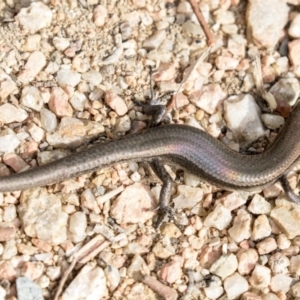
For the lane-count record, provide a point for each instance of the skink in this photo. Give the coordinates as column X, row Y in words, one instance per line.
column 188, row 147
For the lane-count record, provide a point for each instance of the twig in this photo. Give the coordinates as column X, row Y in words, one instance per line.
column 206, row 29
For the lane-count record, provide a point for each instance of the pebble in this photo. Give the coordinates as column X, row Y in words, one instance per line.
column 213, row 292
column 15, row 162
column 90, row 283
column 88, row 200
column 36, row 132
column 294, row 29
column 266, row 246
column 42, row 217
column 114, row 57
column 48, row 120
column 9, row 250
column 136, row 204
column 191, row 28
column 281, row 283
column 8, row 141
column 170, row 230
column 72, row 132
column 226, row 63
column 235, row 285
column 28, row 289
column 9, row 113
column 171, row 272
column 32, row 98
column 116, row 103
column 78, row 101
column 165, row 72
column 287, row 89
column 7, row 271
column 190, row 179
column 247, row 260
column 93, row 77
column 272, row 121
column 113, row 277
column 32, row 270
column 7, row 233
column 296, row 290
column 35, row 63
column 241, row 229
column 224, row 17
column 77, row 227
column 187, row 197
column 208, row 98
column 219, row 218
column 233, row 200
column 246, row 127
column 137, row 267
column 155, row 40
column 123, row 124
column 279, row 263
column 286, row 216
column 265, row 31
column 295, row 265
column 224, row 266
column 7, row 88
column 59, row 104
column 261, row 277
column 294, row 50
column 67, row 77
column 100, row 15
column 35, row 17
column 261, row 228
column 61, row 43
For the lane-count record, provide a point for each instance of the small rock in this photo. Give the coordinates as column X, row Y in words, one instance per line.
column 286, row 216
column 8, row 141
column 235, row 285
column 68, row 77
column 77, row 226
column 42, row 217
column 272, row 121
column 35, row 63
column 294, row 50
column 135, row 268
column 165, row 72
column 136, row 204
column 90, row 283
column 9, row 250
column 247, row 261
column 281, row 283
column 296, row 290
column 208, row 97
column 72, row 132
column 7, row 88
column 213, row 292
column 36, row 132
column 114, row 57
column 9, row 113
column 170, row 230
column 155, row 40
column 265, row 31
column 28, row 289
column 224, row 17
column 233, row 200
column 7, row 271
column 266, row 246
column 219, row 218
column 89, row 201
column 279, row 263
column 113, row 277
column 78, row 101
column 15, row 162
column 7, row 233
column 59, row 104
column 226, row 63
column 241, row 229
column 35, row 17
column 187, row 197
column 171, row 272
column 245, row 127
column 48, row 120
column 116, row 103
column 261, row 277
column 224, row 266
column 295, row 265
column 100, row 15
column 283, row 242
column 93, row 77
column 294, row 29
column 61, row 43
column 261, row 228
column 32, row 270
column 32, row 98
